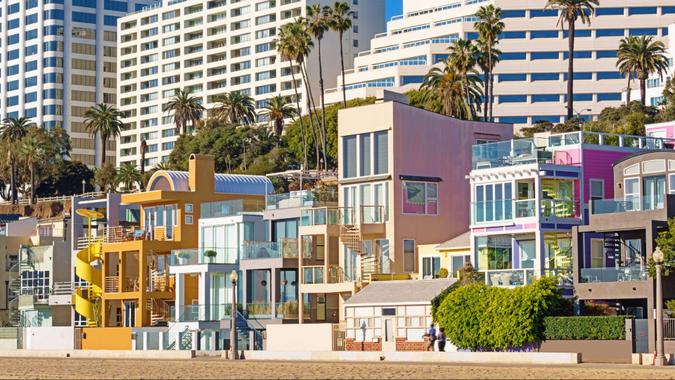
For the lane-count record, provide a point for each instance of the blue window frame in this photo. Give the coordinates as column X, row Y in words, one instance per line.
column 580, row 97
column 31, row 19
column 110, row 20
column 471, row 36
column 13, row 54
column 30, row 82
column 13, row 85
column 609, row 11
column 12, row 70
column 513, row 56
column 30, row 112
column 85, row 3
column 580, row 76
column 643, row 32
column 30, row 50
column 609, row 33
column 605, row 75
column 112, row 5
column 579, row 54
column 512, row 98
column 544, row 76
column 513, row 13
column 609, row 96
column 54, row 14
column 513, row 119
column 31, row 34
column 13, row 8
column 606, row 54
column 89, row 18
column 12, row 101
column 512, row 77
column 579, row 33
column 512, row 35
column 641, row 11
column 544, row 34
column 544, row 55
column 667, row 10
column 30, row 66
column 13, row 24
column 543, row 13
column 550, row 118
column 30, row 4
column 13, row 39
column 545, row 98
column 407, row 79
column 30, row 97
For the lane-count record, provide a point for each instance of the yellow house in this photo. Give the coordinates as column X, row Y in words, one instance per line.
column 132, row 264
column 450, row 255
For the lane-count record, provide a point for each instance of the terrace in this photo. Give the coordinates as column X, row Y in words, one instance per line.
column 203, row 255
column 304, row 198
column 227, row 208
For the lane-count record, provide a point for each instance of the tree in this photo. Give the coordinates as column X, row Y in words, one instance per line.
column 33, row 152
column 666, row 242
column 569, row 12
column 184, row 109
column 103, row 120
column 65, row 178
column 236, row 108
column 278, row 109
column 455, row 92
column 292, row 43
column 128, row 175
column 106, row 177
column 317, row 24
column 489, row 26
column 12, row 131
column 340, row 21
column 463, row 58
column 644, row 57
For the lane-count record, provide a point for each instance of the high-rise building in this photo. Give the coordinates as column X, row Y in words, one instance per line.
column 531, row 78
column 210, row 48
column 57, row 60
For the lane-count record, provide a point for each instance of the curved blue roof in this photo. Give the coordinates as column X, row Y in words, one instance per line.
column 223, row 183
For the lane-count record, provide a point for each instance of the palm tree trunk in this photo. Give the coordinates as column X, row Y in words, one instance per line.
column 32, row 183
column 486, row 93
column 317, row 132
column 323, row 109
column 628, row 90
column 12, row 177
column 570, row 72
column 491, row 78
column 342, row 65
column 302, row 125
column 643, row 90
column 103, row 138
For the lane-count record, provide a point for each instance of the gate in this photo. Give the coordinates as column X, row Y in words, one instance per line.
column 641, row 336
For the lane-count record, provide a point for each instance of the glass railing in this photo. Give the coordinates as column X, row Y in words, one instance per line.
column 525, row 208
column 313, row 275
column 559, row 208
column 196, row 313
column 372, row 214
column 491, row 211
column 254, row 250
column 505, row 153
column 230, row 208
column 608, row 139
column 320, row 216
column 612, row 274
column 610, row 206
column 287, row 310
column 259, row 310
column 509, row 277
column 204, row 256
column 305, row 198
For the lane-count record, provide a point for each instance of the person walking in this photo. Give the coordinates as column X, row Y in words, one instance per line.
column 432, row 338
column 441, row 339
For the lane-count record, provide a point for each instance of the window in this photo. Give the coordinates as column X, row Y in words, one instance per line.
column 408, row 255
column 364, row 153
column 631, row 194
column 643, row 32
column 606, row 54
column 430, row 267
column 349, row 156
column 545, row 76
column 605, row 75
column 597, row 254
column 609, row 12
column 609, row 96
column 597, row 189
column 512, row 99
column 545, row 55
column 641, row 11
column 528, row 253
column 494, row 252
column 513, row 56
column 541, row 98
column 492, row 202
column 609, row 33
column 544, row 34
column 381, row 155
column 512, row 77
column 420, row 198
column 511, row 35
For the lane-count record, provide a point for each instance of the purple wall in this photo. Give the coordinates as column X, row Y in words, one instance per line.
column 597, row 164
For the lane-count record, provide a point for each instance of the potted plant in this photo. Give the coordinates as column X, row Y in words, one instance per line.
column 183, row 257
column 210, row 255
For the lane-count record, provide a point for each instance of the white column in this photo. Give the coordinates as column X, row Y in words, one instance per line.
column 161, row 340
column 179, row 297
column 145, row 340
column 273, row 291
column 212, row 340
column 204, row 293
column 195, row 340
column 133, row 342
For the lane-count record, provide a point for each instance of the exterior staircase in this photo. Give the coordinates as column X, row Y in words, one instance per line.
column 159, row 311
column 86, row 299
column 14, row 293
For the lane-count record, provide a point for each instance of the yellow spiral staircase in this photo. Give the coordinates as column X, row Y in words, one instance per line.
column 86, row 300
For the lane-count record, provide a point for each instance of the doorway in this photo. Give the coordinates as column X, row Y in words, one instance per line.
column 389, row 338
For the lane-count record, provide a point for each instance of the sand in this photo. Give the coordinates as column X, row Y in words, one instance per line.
column 21, row 368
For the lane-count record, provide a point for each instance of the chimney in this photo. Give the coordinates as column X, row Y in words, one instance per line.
column 202, row 173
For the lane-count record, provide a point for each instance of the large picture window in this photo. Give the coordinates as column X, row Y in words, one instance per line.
column 420, row 198
column 494, row 252
column 493, row 202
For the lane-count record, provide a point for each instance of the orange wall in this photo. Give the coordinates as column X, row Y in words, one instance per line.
column 191, row 287
column 107, row 338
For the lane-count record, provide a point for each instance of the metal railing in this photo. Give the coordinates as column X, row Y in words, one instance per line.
column 304, row 198
column 608, row 139
column 62, row 288
column 231, row 207
column 669, row 328
column 196, row 313
column 318, row 216
column 111, row 284
column 286, row 248
column 204, row 255
column 258, row 310
column 612, row 274
column 559, row 208
column 509, row 277
column 317, row 274
column 58, row 198
column 628, row 204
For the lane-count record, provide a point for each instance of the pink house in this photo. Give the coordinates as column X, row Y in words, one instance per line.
column 661, row 130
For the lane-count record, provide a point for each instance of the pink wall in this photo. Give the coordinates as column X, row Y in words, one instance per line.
column 597, row 164
column 661, row 127
column 432, row 145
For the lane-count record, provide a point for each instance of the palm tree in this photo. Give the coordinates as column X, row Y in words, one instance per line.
column 103, row 120
column 128, row 175
column 13, row 130
column 463, row 58
column 279, row 108
column 186, row 109
column 317, row 24
column 235, row 108
column 450, row 88
column 571, row 11
column 489, row 27
column 33, row 152
column 340, row 21
column 641, row 56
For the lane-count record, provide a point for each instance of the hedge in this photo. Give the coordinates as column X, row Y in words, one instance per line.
column 585, row 328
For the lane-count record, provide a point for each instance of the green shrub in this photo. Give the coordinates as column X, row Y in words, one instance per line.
column 585, row 328
column 670, row 305
column 482, row 318
column 443, row 273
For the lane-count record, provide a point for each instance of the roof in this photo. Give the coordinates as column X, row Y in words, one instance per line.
column 458, row 242
column 401, row 292
column 223, row 183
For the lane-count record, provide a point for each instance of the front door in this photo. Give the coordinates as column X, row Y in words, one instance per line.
column 389, row 338
column 129, row 313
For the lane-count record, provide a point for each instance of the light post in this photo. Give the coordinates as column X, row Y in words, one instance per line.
column 581, row 122
column 83, row 183
column 233, row 317
column 658, row 261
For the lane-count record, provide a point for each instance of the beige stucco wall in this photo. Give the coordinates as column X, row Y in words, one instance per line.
column 300, row 337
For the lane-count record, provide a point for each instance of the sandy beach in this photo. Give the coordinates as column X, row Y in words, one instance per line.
column 66, row 368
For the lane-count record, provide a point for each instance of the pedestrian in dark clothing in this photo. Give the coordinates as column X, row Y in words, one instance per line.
column 441, row 339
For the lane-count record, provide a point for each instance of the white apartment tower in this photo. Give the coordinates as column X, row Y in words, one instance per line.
column 211, row 47
column 57, row 59
column 530, row 82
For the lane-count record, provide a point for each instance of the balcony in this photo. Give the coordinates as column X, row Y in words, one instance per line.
column 231, row 208
column 317, row 274
column 203, row 256
column 255, row 250
column 509, row 209
column 289, row 310
column 259, row 310
column 305, row 198
column 509, row 153
column 197, row 313
column 608, row 139
column 613, row 274
column 559, row 208
column 321, row 216
column 629, row 204
column 509, row 277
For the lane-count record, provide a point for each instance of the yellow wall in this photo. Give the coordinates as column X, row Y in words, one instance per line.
column 108, row 338
column 429, row 250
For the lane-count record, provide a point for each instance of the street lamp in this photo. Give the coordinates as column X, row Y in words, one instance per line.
column 233, row 317
column 658, row 261
column 581, row 122
column 84, row 182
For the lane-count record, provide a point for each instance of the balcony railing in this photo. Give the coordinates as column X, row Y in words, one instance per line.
column 204, row 256
column 317, row 274
column 508, row 153
column 196, row 313
column 609, row 139
column 508, row 209
column 286, row 248
column 112, row 284
column 669, row 328
column 320, row 216
column 611, row 206
column 259, row 310
column 612, row 274
column 288, row 310
column 230, row 208
column 305, row 198
column 525, row 208
column 509, row 277
column 559, row 208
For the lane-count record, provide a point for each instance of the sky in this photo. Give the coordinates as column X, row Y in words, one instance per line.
column 394, row 7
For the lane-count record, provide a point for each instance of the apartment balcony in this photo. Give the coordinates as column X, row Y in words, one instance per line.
column 203, row 256
column 509, row 211
column 321, row 220
column 290, row 310
column 632, row 211
column 508, row 278
column 235, row 207
column 304, row 198
column 269, row 254
column 613, row 274
column 325, row 279
column 201, row 313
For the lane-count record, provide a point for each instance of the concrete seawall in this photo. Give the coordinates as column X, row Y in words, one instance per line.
column 98, row 354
